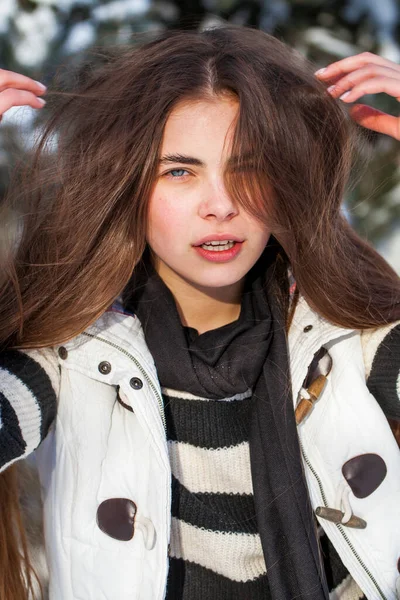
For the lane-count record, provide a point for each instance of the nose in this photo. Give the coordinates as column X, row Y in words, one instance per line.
column 216, row 203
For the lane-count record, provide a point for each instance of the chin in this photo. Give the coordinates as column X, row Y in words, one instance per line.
column 216, row 280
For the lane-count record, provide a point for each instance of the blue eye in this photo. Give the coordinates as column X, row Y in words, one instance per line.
column 177, row 173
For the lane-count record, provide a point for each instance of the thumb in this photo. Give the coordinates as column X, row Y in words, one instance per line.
column 376, row 120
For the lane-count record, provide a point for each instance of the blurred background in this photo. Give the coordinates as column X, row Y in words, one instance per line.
column 38, row 37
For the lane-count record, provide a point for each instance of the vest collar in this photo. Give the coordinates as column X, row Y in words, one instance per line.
column 307, row 334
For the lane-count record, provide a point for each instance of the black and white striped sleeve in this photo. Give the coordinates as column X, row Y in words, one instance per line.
column 29, row 385
column 382, row 358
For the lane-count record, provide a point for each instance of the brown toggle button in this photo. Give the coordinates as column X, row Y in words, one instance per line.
column 116, row 518
column 307, row 328
column 305, row 405
column 364, row 474
column 63, row 352
column 104, row 367
column 314, row 383
column 335, row 516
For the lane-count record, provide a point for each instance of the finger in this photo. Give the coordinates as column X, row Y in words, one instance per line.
column 376, row 85
column 350, row 81
column 10, row 98
column 9, row 79
column 374, row 119
column 346, row 65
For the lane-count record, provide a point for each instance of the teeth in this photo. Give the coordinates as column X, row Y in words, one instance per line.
column 222, row 243
column 218, row 246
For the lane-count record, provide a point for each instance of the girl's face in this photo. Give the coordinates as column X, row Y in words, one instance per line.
column 197, row 232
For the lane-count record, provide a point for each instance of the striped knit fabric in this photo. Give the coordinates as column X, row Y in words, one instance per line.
column 215, row 550
column 29, row 406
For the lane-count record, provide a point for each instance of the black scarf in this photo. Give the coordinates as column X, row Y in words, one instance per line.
column 249, row 353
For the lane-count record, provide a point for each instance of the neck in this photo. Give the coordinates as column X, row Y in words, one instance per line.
column 203, row 308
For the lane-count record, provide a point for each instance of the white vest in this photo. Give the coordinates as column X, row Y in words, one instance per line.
column 98, row 449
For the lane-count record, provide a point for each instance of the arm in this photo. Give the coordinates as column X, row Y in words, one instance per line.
column 349, row 80
column 28, row 382
column 29, row 385
column 381, row 348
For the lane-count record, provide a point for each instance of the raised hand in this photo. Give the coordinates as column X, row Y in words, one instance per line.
column 18, row 90
column 353, row 77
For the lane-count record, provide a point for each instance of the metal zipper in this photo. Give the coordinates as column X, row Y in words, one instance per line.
column 339, row 526
column 141, row 369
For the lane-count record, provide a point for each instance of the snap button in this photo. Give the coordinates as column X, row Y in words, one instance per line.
column 307, row 328
column 104, row 367
column 63, row 352
column 136, row 383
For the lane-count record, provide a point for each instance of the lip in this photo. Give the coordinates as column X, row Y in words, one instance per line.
column 218, row 237
column 220, row 256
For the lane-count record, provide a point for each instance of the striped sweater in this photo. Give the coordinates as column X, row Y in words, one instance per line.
column 215, row 552
column 215, row 549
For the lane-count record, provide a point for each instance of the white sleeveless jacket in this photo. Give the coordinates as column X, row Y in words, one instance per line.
column 109, row 441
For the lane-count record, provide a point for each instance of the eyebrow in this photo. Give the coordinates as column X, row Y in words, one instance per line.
column 191, row 160
column 179, row 158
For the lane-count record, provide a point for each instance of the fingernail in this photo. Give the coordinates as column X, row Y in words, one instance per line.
column 41, row 101
column 331, row 89
column 320, row 71
column 41, row 85
column 343, row 96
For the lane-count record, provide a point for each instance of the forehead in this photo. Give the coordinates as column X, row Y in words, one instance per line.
column 201, row 125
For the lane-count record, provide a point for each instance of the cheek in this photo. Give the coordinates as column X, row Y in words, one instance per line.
column 259, row 234
column 159, row 214
column 165, row 222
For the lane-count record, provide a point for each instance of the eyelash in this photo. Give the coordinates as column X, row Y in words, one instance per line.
column 168, row 173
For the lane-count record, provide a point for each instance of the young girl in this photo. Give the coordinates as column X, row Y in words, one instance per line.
column 221, row 432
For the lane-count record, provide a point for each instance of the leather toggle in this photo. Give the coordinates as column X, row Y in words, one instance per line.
column 314, row 384
column 336, row 516
column 118, row 518
column 308, row 399
column 364, row 474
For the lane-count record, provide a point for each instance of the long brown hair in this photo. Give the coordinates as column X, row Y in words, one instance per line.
column 80, row 217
